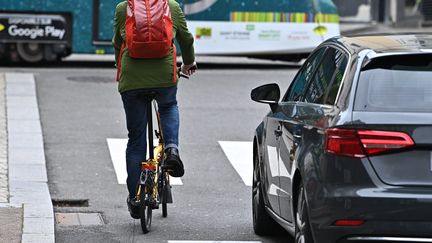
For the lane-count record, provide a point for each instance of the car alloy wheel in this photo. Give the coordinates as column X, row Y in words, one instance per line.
column 302, row 228
column 262, row 222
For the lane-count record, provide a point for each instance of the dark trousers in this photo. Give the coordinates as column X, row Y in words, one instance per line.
column 135, row 105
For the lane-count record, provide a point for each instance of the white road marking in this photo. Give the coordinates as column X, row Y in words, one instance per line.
column 240, row 155
column 203, row 241
column 117, row 148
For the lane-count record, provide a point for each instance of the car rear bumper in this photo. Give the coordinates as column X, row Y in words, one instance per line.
column 390, row 215
column 377, row 231
column 385, row 239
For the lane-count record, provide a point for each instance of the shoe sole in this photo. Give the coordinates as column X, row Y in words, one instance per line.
column 174, row 168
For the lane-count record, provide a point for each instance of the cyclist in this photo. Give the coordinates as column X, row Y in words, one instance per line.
column 139, row 76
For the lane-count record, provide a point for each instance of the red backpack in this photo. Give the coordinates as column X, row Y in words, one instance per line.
column 148, row 29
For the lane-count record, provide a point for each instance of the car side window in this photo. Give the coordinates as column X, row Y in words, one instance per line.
column 298, row 85
column 326, row 79
column 341, row 64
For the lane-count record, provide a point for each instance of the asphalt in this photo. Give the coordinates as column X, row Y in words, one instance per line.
column 26, row 209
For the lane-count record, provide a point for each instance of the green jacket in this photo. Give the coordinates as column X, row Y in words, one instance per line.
column 151, row 73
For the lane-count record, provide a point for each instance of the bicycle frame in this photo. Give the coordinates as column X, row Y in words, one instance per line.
column 153, row 175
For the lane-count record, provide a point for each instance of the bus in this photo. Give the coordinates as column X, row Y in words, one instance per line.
column 48, row 30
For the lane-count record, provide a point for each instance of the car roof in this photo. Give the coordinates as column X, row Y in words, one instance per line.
column 409, row 43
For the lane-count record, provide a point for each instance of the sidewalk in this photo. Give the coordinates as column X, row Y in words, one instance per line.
column 347, row 29
column 26, row 210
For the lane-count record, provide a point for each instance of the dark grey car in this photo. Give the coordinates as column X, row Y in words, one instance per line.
column 346, row 155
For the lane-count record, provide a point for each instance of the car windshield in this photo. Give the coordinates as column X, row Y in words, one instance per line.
column 396, row 84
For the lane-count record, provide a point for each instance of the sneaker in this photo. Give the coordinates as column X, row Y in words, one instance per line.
column 133, row 208
column 173, row 163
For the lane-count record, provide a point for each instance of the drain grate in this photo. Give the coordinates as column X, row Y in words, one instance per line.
column 70, row 202
column 94, row 79
column 78, row 219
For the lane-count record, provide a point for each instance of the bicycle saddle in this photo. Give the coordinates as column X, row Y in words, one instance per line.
column 150, row 94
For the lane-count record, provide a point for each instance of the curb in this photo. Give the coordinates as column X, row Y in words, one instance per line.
column 28, row 181
column 4, row 183
column 355, row 30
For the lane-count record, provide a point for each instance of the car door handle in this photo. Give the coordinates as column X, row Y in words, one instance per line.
column 297, row 139
column 278, row 132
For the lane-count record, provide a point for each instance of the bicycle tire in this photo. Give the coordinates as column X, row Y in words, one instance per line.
column 145, row 211
column 165, row 185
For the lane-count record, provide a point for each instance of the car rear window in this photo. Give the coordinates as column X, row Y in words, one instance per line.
column 396, row 84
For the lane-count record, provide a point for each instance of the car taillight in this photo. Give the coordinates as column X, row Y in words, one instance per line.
column 360, row 143
column 349, row 222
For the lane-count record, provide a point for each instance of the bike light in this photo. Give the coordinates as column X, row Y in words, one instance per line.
column 349, row 222
column 358, row 144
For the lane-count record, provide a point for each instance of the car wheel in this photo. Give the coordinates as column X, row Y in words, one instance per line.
column 302, row 227
column 30, row 52
column 262, row 222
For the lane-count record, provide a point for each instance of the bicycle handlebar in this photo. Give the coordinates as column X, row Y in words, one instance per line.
column 181, row 74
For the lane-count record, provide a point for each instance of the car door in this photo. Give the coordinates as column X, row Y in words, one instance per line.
column 271, row 165
column 307, row 119
column 285, row 112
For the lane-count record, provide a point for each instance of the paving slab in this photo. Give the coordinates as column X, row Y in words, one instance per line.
column 25, row 126
column 25, row 140
column 11, row 224
column 29, row 192
column 28, row 173
column 44, row 226
column 43, row 210
column 22, row 78
column 23, row 113
column 33, row 156
column 21, row 101
column 37, row 238
column 21, row 89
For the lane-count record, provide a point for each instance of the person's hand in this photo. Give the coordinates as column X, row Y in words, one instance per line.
column 189, row 69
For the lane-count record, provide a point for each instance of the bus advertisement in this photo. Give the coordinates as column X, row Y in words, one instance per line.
column 48, row 30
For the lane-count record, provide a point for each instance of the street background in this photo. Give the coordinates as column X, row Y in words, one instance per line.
column 81, row 113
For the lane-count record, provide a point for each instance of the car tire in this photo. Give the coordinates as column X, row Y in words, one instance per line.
column 303, row 232
column 263, row 224
column 30, row 52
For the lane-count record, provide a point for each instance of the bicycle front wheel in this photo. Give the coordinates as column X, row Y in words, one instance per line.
column 145, row 210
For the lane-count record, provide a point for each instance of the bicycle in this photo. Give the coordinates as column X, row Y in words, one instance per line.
column 153, row 187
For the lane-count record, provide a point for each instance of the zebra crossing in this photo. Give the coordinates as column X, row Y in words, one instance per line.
column 117, row 148
column 199, row 241
column 238, row 153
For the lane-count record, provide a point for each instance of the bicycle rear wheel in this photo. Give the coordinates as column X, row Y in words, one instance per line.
column 145, row 210
column 166, row 194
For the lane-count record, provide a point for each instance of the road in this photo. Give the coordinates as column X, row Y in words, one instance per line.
column 81, row 111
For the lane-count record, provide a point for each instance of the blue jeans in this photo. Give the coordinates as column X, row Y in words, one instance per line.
column 135, row 106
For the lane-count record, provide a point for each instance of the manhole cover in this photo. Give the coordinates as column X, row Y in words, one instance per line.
column 94, row 79
column 83, row 219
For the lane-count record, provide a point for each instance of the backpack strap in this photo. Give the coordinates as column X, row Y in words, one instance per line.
column 119, row 62
column 175, row 63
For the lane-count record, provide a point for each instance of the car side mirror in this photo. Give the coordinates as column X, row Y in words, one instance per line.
column 267, row 94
